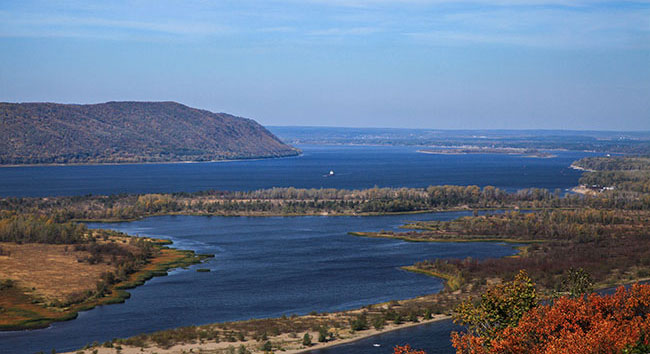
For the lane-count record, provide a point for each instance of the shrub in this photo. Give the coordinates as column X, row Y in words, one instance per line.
column 378, row 322
column 427, row 314
column 306, row 340
column 406, row 349
column 6, row 284
column 322, row 334
column 267, row 347
column 413, row 317
column 360, row 323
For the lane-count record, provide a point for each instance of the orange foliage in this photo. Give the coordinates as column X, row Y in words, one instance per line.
column 618, row 323
column 406, row 349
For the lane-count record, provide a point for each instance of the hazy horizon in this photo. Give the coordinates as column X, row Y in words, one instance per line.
column 459, row 130
column 420, row 64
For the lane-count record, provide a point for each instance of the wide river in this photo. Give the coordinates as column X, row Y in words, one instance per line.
column 264, row 267
column 267, row 267
column 355, row 167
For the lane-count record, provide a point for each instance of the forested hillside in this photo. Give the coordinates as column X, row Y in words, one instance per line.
column 122, row 132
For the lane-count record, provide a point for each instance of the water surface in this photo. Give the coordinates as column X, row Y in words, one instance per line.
column 433, row 338
column 264, row 267
column 355, row 167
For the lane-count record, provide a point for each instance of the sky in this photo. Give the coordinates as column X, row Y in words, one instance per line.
column 441, row 64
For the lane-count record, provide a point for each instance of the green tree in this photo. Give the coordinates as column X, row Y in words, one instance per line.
column 575, row 283
column 500, row 306
column 322, row 334
column 306, row 340
column 378, row 322
column 359, row 323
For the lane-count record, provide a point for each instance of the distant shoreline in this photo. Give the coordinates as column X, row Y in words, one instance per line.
column 505, row 151
column 299, row 154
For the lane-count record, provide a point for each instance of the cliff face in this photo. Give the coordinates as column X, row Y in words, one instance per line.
column 121, row 132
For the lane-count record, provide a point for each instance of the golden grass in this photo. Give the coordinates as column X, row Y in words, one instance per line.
column 51, row 285
column 51, row 272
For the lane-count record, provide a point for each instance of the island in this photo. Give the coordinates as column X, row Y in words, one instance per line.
column 486, row 150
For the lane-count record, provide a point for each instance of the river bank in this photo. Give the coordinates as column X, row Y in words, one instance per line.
column 285, row 343
column 30, row 301
column 287, row 333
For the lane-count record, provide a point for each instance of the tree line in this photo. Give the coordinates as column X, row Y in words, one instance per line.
column 293, row 201
column 20, row 228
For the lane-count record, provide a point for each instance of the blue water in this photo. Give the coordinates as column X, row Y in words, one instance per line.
column 264, row 267
column 432, row 338
column 356, row 167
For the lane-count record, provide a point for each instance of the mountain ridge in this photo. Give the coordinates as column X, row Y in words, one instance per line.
column 129, row 132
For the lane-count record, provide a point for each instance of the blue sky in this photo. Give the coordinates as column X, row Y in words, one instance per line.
column 549, row 64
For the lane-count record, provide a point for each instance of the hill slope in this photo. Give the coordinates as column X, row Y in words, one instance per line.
column 117, row 132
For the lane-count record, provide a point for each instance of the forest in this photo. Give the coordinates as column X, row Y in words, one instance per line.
column 24, row 228
column 292, row 201
column 626, row 174
column 612, row 247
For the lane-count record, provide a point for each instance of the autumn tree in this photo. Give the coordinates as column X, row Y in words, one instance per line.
column 501, row 306
column 406, row 349
column 618, row 323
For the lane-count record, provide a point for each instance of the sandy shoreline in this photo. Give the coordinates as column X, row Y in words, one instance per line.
column 575, row 167
column 583, row 190
column 289, row 345
column 370, row 333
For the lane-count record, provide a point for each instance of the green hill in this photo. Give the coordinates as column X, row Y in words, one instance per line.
column 123, row 132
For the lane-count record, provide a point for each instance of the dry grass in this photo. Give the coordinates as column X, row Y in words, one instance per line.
column 52, row 283
column 52, row 272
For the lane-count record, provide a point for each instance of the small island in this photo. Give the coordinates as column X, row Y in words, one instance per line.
column 487, row 150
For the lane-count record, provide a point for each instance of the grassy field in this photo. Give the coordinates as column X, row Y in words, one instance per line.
column 44, row 283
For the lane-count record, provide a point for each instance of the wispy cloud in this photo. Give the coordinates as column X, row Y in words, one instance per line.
column 44, row 24
column 542, row 23
column 353, row 31
column 541, row 28
column 371, row 3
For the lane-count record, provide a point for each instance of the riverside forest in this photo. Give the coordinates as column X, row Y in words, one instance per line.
column 569, row 244
column 629, row 192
